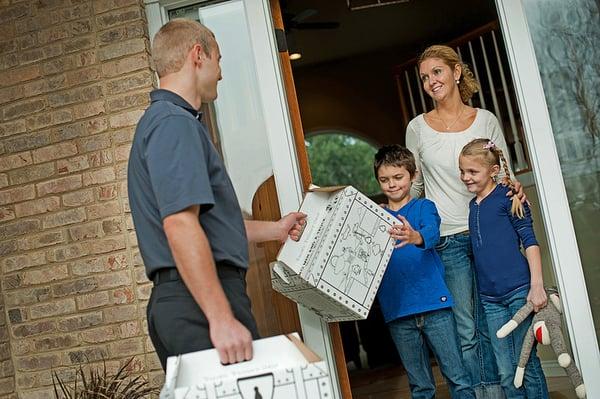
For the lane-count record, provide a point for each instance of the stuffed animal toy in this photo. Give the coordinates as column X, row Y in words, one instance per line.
column 545, row 328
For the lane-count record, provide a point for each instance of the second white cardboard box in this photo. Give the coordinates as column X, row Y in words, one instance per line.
column 337, row 265
column 282, row 367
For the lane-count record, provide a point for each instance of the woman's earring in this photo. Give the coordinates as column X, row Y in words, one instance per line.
column 457, row 81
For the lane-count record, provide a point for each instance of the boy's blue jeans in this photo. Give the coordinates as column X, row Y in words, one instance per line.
column 457, row 257
column 508, row 349
column 437, row 329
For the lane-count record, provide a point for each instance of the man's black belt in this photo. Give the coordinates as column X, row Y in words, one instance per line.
column 224, row 271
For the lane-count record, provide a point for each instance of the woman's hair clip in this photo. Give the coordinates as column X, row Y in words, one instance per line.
column 490, row 145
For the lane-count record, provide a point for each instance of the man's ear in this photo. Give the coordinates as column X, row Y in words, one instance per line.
column 197, row 54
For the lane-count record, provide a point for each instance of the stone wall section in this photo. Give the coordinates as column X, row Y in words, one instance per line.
column 74, row 80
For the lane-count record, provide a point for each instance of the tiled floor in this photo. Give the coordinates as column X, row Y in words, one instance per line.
column 391, row 383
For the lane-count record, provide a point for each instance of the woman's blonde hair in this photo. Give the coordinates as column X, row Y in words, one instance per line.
column 467, row 84
column 491, row 155
column 173, row 42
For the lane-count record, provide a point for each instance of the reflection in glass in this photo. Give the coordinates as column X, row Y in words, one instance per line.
column 565, row 35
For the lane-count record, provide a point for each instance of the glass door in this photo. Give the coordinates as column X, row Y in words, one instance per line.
column 555, row 74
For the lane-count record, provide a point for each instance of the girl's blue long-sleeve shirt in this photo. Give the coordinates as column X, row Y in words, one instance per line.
column 497, row 237
column 413, row 282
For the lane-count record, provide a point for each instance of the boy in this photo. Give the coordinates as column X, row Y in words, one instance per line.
column 415, row 301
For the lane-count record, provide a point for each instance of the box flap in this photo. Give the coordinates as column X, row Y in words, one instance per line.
column 278, row 268
column 305, row 350
column 327, row 189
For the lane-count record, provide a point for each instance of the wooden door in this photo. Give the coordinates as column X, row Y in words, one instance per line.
column 302, row 156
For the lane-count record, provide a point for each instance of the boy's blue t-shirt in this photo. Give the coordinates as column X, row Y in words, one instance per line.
column 413, row 282
column 497, row 237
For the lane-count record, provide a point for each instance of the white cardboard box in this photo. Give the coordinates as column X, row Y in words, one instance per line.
column 282, row 368
column 337, row 265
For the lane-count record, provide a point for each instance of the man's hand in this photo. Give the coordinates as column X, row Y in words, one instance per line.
column 291, row 225
column 405, row 233
column 517, row 190
column 537, row 296
column 232, row 340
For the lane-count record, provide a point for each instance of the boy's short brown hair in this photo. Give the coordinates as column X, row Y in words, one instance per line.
column 173, row 42
column 395, row 155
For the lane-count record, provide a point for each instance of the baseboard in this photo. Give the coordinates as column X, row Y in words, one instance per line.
column 552, row 369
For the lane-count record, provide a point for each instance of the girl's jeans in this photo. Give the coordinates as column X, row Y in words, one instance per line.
column 457, row 256
column 508, row 349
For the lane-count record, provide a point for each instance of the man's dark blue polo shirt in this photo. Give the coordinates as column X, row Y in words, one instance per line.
column 172, row 166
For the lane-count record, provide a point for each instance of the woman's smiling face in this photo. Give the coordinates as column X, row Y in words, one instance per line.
column 438, row 78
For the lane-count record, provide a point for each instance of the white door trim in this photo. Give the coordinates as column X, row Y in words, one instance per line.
column 552, row 193
column 286, row 170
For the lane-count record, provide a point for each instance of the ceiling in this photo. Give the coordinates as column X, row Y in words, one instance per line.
column 403, row 28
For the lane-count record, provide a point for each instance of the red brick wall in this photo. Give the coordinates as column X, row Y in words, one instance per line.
column 74, row 79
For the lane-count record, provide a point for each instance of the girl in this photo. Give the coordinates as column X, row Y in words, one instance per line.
column 499, row 227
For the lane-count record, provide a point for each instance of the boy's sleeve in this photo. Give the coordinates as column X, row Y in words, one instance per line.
column 429, row 226
column 177, row 165
column 524, row 226
column 412, row 143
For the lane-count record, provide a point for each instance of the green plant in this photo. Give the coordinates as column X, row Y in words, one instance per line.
column 96, row 383
column 337, row 158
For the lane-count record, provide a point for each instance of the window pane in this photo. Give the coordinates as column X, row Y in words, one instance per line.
column 565, row 35
column 338, row 159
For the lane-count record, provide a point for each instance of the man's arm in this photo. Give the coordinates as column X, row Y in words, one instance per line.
column 193, row 257
column 289, row 225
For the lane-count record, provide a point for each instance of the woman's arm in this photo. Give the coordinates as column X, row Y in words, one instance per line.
column 496, row 135
column 412, row 143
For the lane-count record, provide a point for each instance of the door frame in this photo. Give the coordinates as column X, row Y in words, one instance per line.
column 552, row 192
column 289, row 178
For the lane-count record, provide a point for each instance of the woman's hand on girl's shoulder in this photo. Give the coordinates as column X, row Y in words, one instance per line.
column 517, row 190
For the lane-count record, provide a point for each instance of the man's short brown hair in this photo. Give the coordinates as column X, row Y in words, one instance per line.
column 173, row 42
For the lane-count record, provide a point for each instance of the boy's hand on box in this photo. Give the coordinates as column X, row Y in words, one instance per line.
column 405, row 234
column 292, row 225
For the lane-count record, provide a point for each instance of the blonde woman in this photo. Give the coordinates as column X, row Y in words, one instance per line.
column 436, row 139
